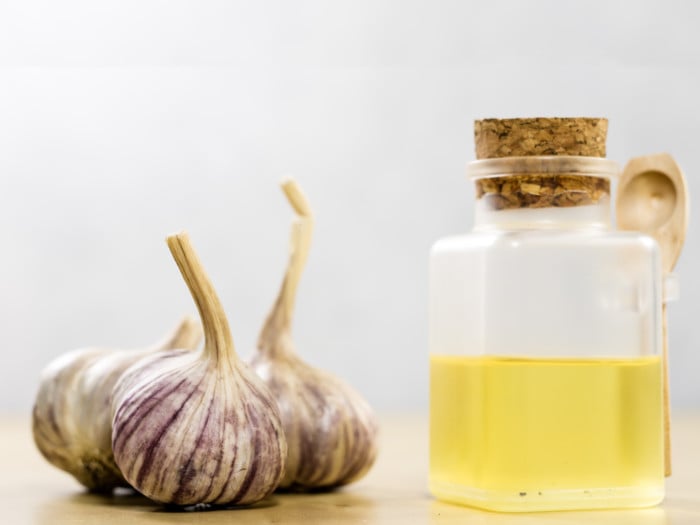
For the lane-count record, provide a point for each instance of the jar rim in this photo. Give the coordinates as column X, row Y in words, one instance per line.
column 542, row 165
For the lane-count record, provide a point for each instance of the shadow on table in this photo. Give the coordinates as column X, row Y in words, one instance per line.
column 126, row 498
column 126, row 506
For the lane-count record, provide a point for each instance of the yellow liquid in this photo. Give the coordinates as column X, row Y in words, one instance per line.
column 545, row 434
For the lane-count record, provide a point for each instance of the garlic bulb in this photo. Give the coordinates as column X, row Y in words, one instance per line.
column 198, row 427
column 71, row 420
column 331, row 430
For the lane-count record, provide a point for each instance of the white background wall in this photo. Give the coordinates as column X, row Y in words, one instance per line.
column 123, row 121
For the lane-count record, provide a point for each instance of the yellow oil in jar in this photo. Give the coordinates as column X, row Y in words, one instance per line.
column 515, row 434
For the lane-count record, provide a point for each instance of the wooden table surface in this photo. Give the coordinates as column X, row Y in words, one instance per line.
column 33, row 492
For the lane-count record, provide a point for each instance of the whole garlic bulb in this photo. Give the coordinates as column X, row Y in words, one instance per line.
column 71, row 420
column 198, row 427
column 331, row 430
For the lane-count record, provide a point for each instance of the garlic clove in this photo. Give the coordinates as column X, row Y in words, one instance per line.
column 71, row 419
column 331, row 430
column 198, row 428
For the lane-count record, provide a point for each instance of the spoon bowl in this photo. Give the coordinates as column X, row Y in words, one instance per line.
column 652, row 199
column 648, row 201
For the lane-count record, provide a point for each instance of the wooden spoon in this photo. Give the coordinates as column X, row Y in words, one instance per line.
column 652, row 198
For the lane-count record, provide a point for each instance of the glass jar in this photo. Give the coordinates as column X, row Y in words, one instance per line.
column 545, row 338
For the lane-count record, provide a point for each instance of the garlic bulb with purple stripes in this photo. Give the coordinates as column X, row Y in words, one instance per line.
column 331, row 430
column 72, row 421
column 198, row 428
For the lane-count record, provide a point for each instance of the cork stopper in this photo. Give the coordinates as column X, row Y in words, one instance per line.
column 524, row 184
column 525, row 137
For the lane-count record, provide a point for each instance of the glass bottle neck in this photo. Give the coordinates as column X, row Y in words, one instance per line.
column 542, row 192
column 591, row 216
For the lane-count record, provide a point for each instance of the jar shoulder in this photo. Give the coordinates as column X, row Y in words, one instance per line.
column 479, row 241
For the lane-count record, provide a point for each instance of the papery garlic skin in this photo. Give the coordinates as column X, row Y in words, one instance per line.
column 198, row 428
column 186, row 433
column 71, row 419
column 331, row 430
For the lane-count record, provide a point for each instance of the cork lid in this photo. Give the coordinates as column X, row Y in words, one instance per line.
column 526, row 137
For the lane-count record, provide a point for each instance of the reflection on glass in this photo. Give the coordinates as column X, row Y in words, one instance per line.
column 442, row 512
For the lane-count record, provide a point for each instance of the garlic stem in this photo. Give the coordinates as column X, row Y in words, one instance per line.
column 300, row 242
column 279, row 320
column 296, row 197
column 218, row 343
column 187, row 334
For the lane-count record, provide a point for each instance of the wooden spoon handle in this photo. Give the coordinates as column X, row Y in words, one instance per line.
column 667, row 406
